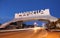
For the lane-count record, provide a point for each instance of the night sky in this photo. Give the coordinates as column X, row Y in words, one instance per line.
column 9, row 7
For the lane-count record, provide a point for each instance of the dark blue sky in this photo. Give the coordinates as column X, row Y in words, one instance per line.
column 9, row 7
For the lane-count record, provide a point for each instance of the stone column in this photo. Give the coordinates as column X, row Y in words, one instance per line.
column 19, row 24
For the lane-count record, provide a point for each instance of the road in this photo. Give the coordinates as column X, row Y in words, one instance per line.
column 30, row 34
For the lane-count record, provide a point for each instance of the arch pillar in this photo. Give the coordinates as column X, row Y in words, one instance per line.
column 19, row 24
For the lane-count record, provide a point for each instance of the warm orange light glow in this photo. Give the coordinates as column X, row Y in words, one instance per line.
column 36, row 29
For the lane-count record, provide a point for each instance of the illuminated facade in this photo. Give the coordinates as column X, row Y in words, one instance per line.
column 32, row 13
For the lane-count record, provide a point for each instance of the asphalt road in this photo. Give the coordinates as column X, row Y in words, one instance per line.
column 30, row 34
